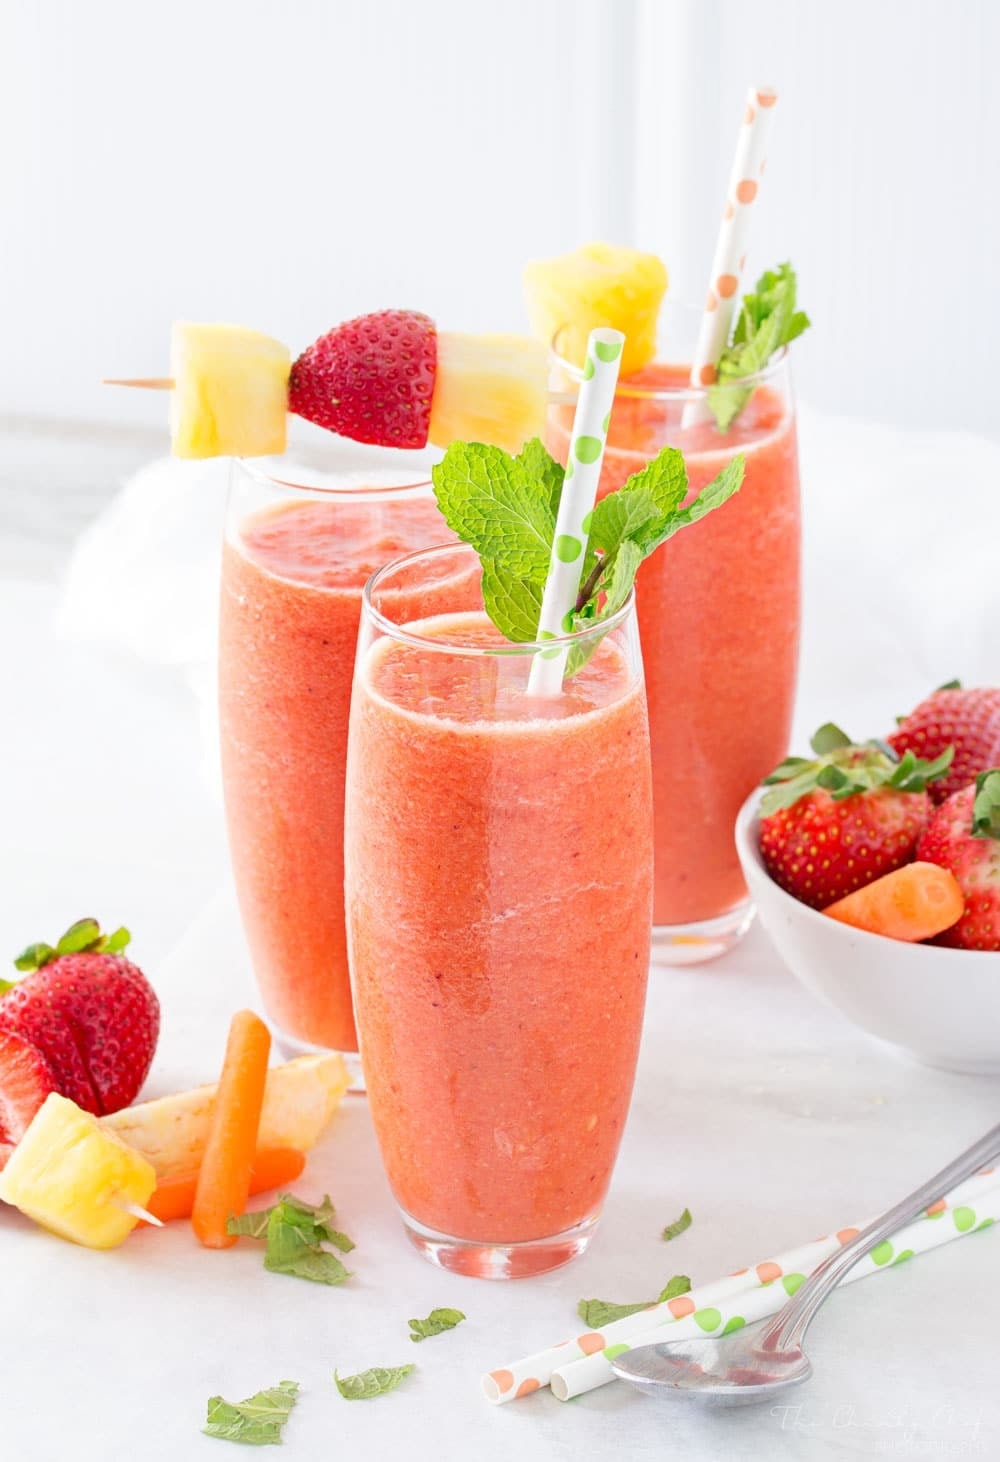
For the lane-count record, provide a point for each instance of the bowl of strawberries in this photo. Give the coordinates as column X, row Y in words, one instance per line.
column 875, row 867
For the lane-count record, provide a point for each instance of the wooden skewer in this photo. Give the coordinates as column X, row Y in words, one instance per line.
column 166, row 383
column 136, row 1210
column 145, row 383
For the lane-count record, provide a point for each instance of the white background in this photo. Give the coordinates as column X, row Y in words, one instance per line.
column 289, row 164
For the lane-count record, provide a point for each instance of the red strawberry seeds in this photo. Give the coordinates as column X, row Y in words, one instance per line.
column 91, row 1014
column 968, row 720
column 371, row 379
column 964, row 837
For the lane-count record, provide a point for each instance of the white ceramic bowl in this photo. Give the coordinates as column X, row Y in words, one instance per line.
column 939, row 1006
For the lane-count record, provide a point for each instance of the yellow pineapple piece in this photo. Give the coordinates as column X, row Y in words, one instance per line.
column 300, row 1098
column 72, row 1176
column 230, row 396
column 598, row 284
column 489, row 388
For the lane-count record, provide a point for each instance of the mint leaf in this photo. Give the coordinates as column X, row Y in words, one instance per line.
column 712, row 496
column 543, row 468
column 374, row 1382
column 767, row 320
column 257, row 1421
column 513, row 605
column 295, row 1232
column 673, row 1230
column 488, row 498
column 436, row 1323
column 595, row 1314
column 249, row 1225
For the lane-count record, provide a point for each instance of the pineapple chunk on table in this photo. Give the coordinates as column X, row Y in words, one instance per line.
column 73, row 1176
column 230, row 395
column 300, row 1097
column 597, row 284
column 489, row 388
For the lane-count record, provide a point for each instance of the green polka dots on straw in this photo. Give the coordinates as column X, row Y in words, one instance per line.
column 576, row 504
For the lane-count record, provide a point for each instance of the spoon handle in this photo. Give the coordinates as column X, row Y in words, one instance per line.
column 787, row 1330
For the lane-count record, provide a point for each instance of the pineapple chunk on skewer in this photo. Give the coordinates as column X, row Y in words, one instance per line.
column 597, row 284
column 75, row 1178
column 230, row 395
column 300, row 1097
column 489, row 388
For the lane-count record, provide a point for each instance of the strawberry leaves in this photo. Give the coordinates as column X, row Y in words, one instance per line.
column 83, row 937
column 845, row 768
column 986, row 805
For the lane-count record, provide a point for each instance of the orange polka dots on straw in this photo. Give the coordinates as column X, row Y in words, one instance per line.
column 768, row 1272
column 727, row 285
column 527, row 1386
column 707, row 375
column 591, row 1342
column 746, row 190
column 680, row 1306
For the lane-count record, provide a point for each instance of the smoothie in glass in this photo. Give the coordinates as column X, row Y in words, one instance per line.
column 499, row 878
column 294, row 563
column 719, row 617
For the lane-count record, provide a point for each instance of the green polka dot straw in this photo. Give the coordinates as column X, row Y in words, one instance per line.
column 576, row 503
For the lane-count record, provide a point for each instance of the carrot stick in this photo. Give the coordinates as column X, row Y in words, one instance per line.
column 915, row 902
column 273, row 1167
column 224, row 1179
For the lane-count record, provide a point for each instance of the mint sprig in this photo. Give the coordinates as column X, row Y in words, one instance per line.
column 295, row 1233
column 679, row 1225
column 595, row 1314
column 505, row 508
column 257, row 1421
column 767, row 320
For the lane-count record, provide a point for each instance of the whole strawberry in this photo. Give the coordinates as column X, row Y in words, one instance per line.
column 91, row 1014
column 370, row 379
column 968, row 720
column 964, row 837
column 833, row 824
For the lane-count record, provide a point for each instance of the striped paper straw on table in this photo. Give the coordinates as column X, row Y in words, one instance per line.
column 581, row 1363
column 731, row 244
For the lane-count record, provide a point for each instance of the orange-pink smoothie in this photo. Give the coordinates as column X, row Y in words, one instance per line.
column 291, row 599
column 499, row 867
column 719, row 608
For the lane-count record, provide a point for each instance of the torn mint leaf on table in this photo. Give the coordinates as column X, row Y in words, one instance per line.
column 675, row 1229
column 257, row 1421
column 374, row 1382
column 598, row 1313
column 294, row 1233
column 436, row 1323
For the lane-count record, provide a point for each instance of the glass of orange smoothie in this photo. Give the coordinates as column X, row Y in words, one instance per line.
column 498, row 888
column 719, row 614
column 300, row 543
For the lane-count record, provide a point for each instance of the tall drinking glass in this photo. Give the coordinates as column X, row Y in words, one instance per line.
column 719, row 611
column 300, row 543
column 498, row 883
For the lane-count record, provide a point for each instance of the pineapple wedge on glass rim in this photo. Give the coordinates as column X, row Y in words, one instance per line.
column 75, row 1178
column 597, row 284
column 489, row 388
column 230, row 392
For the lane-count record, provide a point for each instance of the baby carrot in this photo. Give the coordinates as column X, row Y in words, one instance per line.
column 915, row 902
column 224, row 1179
column 273, row 1167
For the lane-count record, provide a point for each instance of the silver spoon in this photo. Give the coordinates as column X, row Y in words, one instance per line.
column 742, row 1368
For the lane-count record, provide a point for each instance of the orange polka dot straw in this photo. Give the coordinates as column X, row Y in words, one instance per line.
column 730, row 247
column 584, row 1362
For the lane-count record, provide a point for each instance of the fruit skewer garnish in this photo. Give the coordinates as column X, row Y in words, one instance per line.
column 390, row 379
column 77, row 1179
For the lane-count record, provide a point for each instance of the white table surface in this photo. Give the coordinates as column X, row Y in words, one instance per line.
column 756, row 1107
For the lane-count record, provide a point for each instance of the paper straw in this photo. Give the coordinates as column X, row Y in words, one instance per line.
column 520, row 1377
column 730, row 246
column 576, row 503
column 739, row 1310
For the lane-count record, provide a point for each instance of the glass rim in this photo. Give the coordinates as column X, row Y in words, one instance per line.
column 362, row 488
column 687, row 392
column 404, row 634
